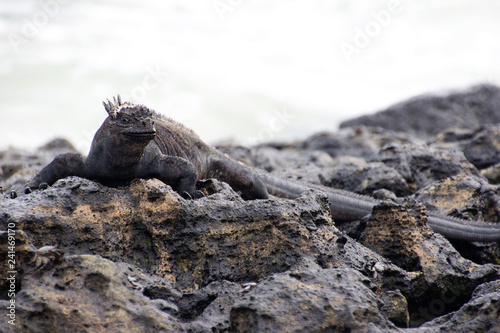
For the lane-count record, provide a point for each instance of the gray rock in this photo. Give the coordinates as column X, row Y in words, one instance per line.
column 307, row 166
column 365, row 178
column 85, row 293
column 492, row 174
column 395, row 308
column 358, row 141
column 464, row 196
column 427, row 115
column 18, row 165
column 421, row 165
column 480, row 314
column 207, row 309
column 314, row 300
column 399, row 233
column 481, row 146
column 153, row 261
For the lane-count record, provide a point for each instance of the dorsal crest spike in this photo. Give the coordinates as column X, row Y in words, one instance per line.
column 106, row 106
column 112, row 108
column 117, row 100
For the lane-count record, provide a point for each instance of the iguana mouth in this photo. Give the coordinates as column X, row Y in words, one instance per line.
column 141, row 135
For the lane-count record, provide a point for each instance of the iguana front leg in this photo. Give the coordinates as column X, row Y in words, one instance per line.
column 64, row 165
column 176, row 172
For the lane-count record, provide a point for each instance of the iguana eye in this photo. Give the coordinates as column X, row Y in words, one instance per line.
column 125, row 120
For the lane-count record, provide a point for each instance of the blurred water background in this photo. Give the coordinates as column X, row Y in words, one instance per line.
column 250, row 71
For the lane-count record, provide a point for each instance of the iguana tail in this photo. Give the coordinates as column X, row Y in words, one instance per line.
column 455, row 228
column 348, row 206
column 344, row 205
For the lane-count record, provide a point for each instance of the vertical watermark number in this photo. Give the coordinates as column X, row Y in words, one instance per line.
column 11, row 273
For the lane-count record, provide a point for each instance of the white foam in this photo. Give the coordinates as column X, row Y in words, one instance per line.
column 224, row 78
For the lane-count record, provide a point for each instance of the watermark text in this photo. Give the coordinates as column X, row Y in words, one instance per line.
column 32, row 25
column 11, row 273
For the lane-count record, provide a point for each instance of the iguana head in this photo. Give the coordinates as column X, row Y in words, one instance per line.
column 132, row 121
column 124, row 135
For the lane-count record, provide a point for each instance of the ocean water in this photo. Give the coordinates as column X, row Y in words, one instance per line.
column 250, row 71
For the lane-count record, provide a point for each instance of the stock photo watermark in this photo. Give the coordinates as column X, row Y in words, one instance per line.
column 364, row 35
column 438, row 306
column 39, row 20
column 222, row 7
column 11, row 273
column 152, row 80
column 278, row 121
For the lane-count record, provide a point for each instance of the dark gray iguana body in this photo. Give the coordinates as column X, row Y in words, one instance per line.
column 135, row 142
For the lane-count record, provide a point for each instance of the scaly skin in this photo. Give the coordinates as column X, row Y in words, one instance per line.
column 135, row 142
column 348, row 206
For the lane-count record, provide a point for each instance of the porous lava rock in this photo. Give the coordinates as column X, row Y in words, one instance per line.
column 139, row 257
column 430, row 114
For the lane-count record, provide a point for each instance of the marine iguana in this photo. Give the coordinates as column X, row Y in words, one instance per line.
column 136, row 142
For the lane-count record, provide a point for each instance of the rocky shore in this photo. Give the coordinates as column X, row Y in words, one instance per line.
column 140, row 258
